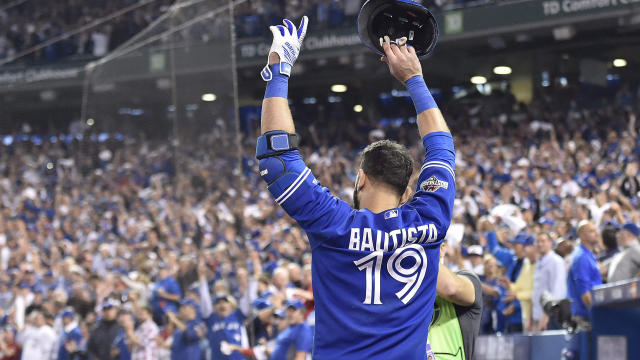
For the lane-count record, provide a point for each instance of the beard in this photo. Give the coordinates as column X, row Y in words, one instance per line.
column 356, row 202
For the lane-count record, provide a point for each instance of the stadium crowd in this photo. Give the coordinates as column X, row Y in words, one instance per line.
column 26, row 24
column 117, row 250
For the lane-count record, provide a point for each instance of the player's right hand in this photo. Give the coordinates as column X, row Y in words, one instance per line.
column 286, row 46
column 401, row 58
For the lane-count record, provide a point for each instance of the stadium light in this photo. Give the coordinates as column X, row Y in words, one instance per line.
column 358, row 108
column 338, row 88
column 478, row 80
column 90, row 122
column 209, row 97
column 502, row 70
column 619, row 62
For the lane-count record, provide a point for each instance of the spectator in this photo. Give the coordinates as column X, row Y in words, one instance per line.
column 513, row 261
column 583, row 273
column 550, row 276
column 610, row 242
column 189, row 331
column 37, row 338
column 119, row 347
column 476, row 254
column 102, row 336
column 9, row 348
column 296, row 336
column 224, row 322
column 522, row 289
column 490, row 296
column 71, row 333
column 260, row 329
column 626, row 264
column 143, row 338
column 166, row 294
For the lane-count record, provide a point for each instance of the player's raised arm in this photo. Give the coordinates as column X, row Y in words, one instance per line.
column 287, row 42
column 405, row 66
column 288, row 179
column 436, row 188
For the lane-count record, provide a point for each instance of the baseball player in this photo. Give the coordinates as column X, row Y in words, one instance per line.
column 374, row 265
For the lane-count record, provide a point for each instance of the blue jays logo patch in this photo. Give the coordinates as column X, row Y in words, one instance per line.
column 433, row 183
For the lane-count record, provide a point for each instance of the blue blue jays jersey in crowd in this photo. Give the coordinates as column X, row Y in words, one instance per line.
column 229, row 329
column 299, row 337
column 120, row 342
column 374, row 275
column 186, row 344
column 74, row 335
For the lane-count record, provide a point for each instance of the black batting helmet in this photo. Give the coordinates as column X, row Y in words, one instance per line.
column 396, row 19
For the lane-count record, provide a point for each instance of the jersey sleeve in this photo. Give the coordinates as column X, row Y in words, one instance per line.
column 311, row 205
column 436, row 188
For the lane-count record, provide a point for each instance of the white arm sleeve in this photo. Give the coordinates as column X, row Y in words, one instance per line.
column 205, row 300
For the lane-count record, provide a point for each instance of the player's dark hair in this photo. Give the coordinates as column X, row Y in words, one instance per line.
column 388, row 162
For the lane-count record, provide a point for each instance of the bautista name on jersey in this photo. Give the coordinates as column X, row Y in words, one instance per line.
column 374, row 274
column 389, row 241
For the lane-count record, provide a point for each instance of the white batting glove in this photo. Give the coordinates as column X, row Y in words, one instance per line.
column 287, row 41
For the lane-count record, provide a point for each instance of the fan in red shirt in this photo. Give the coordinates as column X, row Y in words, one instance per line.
column 9, row 348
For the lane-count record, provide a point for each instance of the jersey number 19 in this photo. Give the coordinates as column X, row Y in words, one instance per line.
column 412, row 277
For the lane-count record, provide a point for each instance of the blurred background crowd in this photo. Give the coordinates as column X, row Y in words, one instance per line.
column 25, row 24
column 98, row 236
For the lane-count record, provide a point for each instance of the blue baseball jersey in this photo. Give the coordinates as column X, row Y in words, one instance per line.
column 74, row 335
column 374, row 274
column 229, row 329
column 186, row 344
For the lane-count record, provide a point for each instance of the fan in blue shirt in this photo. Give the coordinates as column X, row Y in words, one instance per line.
column 583, row 271
column 224, row 321
column 375, row 265
column 297, row 337
column 189, row 331
column 166, row 294
column 120, row 346
column 512, row 260
column 71, row 333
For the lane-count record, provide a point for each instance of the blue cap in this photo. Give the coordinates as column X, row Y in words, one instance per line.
column 280, row 313
column 294, row 303
column 24, row 285
column 163, row 265
column 546, row 221
column 68, row 313
column 48, row 273
column 523, row 238
column 554, row 199
column 261, row 304
column 632, row 228
column 189, row 302
column 110, row 303
column 516, row 239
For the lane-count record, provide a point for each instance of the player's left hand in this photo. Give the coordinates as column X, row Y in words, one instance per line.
column 401, row 58
column 286, row 46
